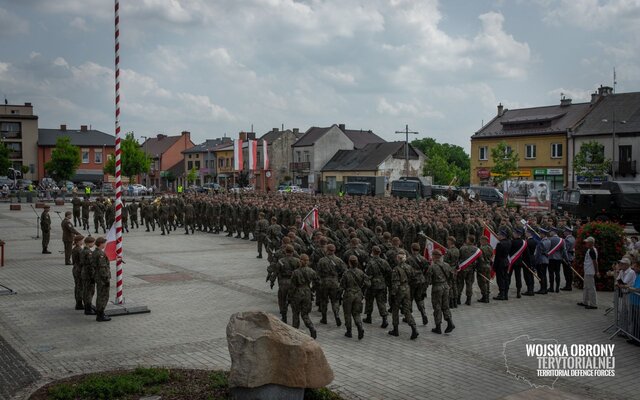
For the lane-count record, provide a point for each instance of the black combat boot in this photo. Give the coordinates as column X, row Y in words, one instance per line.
column 414, row 332
column 468, row 302
column 500, row 296
column 324, row 319
column 450, row 326
column 102, row 318
column 79, row 306
column 313, row 333
column 458, row 300
column 229, row 234
column 360, row 333
column 284, row 318
column 367, row 319
column 482, row 299
column 259, row 256
column 238, row 236
column 425, row 320
column 518, row 295
column 46, row 251
column 338, row 322
column 89, row 311
column 187, row 232
column 394, row 332
column 385, row 323
column 348, row 333
column 437, row 330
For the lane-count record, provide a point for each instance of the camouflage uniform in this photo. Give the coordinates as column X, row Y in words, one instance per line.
column 452, row 257
column 484, row 268
column 466, row 277
column 86, row 204
column 418, row 283
column 100, row 264
column 98, row 216
column 77, row 204
column 188, row 218
column 260, row 234
column 353, row 283
column 401, row 276
column 77, row 276
column 88, row 278
column 45, row 226
column 301, row 294
column 282, row 270
column 439, row 276
column 330, row 269
column 379, row 273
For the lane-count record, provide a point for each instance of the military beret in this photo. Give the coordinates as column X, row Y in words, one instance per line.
column 100, row 240
column 89, row 239
column 78, row 238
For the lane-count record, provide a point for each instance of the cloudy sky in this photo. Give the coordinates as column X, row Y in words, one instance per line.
column 220, row 66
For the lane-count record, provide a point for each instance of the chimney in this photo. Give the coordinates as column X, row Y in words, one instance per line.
column 63, row 127
column 342, row 127
column 605, row 90
column 274, row 130
column 500, row 110
column 296, row 130
column 242, row 136
column 28, row 105
column 160, row 136
column 83, row 128
column 564, row 102
column 251, row 135
column 187, row 134
column 594, row 97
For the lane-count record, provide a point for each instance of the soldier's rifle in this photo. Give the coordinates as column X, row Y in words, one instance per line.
column 37, row 222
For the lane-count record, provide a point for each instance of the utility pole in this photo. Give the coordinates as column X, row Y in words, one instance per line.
column 406, row 148
column 613, row 130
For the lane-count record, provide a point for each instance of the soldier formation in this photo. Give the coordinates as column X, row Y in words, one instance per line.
column 366, row 249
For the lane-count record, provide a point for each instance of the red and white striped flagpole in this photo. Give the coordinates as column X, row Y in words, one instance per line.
column 118, row 222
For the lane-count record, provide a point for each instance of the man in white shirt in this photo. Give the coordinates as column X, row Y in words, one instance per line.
column 589, row 299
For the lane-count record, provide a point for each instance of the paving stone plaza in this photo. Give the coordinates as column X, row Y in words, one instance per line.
column 192, row 285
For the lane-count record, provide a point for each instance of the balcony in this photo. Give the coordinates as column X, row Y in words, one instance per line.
column 15, row 155
column 299, row 166
column 623, row 168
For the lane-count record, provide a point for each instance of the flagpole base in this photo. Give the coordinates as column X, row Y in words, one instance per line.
column 116, row 310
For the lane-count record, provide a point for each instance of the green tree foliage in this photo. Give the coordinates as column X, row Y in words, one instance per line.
column 590, row 161
column 5, row 163
column 505, row 162
column 610, row 244
column 133, row 159
column 25, row 169
column 445, row 162
column 192, row 175
column 65, row 159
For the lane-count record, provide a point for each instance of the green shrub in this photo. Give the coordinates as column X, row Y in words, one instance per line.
column 320, row 394
column 610, row 246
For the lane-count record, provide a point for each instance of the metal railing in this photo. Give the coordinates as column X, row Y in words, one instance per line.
column 300, row 166
column 626, row 309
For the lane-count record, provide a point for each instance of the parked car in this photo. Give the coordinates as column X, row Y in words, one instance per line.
column 488, row 194
column 137, row 189
column 23, row 184
column 48, row 184
column 106, row 187
column 211, row 187
column 66, row 184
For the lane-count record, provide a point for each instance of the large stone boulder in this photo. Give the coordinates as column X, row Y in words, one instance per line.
column 264, row 350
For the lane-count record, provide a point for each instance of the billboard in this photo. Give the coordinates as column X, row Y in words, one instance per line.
column 530, row 195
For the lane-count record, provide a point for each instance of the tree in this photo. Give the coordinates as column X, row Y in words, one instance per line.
column 192, row 175
column 133, row 160
column 444, row 162
column 5, row 163
column 505, row 162
column 25, row 169
column 65, row 159
column 590, row 161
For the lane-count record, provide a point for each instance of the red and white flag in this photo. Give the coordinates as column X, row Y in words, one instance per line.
column 265, row 148
column 253, row 154
column 110, row 246
column 237, row 155
column 311, row 222
column 470, row 260
column 430, row 246
column 493, row 239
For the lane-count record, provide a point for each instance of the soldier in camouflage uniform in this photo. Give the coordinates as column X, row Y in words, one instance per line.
column 355, row 249
column 438, row 276
column 98, row 215
column 282, row 271
column 484, row 268
column 330, row 269
column 109, row 212
column 45, row 226
column 304, row 281
column 401, row 275
column 133, row 213
column 452, row 257
column 260, row 233
column 163, row 217
column 353, row 283
column 86, row 205
column 77, row 204
column 124, row 214
column 100, row 264
column 379, row 273
column 88, row 274
column 418, row 283
column 147, row 213
column 189, row 218
column 77, row 270
column 466, row 277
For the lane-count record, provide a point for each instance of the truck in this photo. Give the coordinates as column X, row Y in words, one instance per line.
column 411, row 187
column 614, row 200
column 364, row 185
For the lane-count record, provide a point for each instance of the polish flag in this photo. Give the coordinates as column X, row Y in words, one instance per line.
column 237, row 154
column 493, row 239
column 265, row 148
column 430, row 246
column 253, row 154
column 311, row 222
column 110, row 246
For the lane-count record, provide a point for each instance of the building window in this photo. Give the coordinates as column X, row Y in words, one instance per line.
column 530, row 150
column 197, row 164
column 299, row 156
column 484, row 153
column 189, row 165
column 85, row 156
column 97, row 156
column 556, row 150
column 15, row 149
column 507, row 151
column 307, row 156
column 221, row 162
column 11, row 130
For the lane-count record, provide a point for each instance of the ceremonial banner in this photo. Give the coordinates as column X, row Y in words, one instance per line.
column 110, row 247
column 237, row 155
column 430, row 246
column 265, row 148
column 466, row 263
column 493, row 239
column 311, row 222
column 253, row 154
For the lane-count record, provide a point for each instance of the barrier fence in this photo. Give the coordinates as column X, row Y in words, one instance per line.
column 626, row 309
